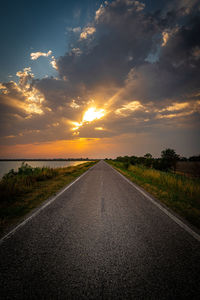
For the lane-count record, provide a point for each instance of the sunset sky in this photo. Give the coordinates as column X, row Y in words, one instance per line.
column 88, row 78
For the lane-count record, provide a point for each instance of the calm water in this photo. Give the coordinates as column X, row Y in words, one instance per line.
column 6, row 166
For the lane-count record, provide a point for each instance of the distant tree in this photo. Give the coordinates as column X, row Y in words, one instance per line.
column 119, row 158
column 182, row 158
column 169, row 158
column 148, row 160
column 133, row 160
column 157, row 164
column 194, row 158
column 148, row 155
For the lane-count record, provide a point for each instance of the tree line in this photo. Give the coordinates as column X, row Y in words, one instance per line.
column 166, row 162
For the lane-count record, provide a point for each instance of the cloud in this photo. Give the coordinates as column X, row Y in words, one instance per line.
column 76, row 51
column 110, row 73
column 99, row 12
column 176, row 106
column 196, row 53
column 75, row 29
column 184, row 7
column 86, row 32
column 20, row 103
column 36, row 55
column 122, row 31
column 99, row 128
column 73, row 104
column 54, row 63
column 167, row 34
column 129, row 107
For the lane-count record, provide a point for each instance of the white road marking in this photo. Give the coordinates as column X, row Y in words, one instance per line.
column 169, row 214
column 9, row 234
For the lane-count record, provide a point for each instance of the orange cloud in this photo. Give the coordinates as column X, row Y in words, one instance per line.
column 54, row 63
column 86, row 32
column 129, row 107
column 36, row 55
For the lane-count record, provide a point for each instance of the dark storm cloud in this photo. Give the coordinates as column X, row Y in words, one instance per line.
column 123, row 38
column 176, row 74
column 125, row 35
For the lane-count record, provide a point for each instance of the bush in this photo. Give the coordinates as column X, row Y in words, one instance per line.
column 25, row 169
column 13, row 184
column 126, row 165
column 169, row 158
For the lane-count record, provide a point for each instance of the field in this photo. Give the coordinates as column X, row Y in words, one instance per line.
column 178, row 192
column 190, row 168
column 22, row 191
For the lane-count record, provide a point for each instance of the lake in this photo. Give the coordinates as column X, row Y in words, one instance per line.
column 6, row 166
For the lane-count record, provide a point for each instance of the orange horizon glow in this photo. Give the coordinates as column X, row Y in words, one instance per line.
column 82, row 147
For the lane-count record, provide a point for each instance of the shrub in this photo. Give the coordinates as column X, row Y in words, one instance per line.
column 14, row 183
column 126, row 165
column 169, row 158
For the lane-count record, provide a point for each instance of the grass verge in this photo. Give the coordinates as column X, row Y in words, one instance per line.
column 22, row 191
column 178, row 192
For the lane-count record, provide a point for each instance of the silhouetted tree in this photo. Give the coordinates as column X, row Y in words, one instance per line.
column 148, row 155
column 182, row 158
column 169, row 159
column 194, row 158
column 148, row 160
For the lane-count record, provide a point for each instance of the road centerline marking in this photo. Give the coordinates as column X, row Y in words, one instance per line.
column 102, row 206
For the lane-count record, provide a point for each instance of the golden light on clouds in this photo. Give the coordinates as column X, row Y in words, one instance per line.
column 176, row 106
column 36, row 55
column 76, row 125
column 175, row 115
column 54, row 63
column 99, row 128
column 86, row 32
column 93, row 114
column 129, row 107
column 34, row 108
column 90, row 115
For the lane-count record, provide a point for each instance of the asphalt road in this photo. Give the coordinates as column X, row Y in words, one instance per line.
column 100, row 239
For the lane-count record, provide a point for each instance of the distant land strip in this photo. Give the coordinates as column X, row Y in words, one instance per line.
column 48, row 159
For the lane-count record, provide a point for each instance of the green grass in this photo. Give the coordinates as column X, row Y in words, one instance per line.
column 178, row 192
column 22, row 191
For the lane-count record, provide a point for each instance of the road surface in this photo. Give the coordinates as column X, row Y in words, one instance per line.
column 100, row 239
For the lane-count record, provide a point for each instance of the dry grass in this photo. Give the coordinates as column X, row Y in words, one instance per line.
column 169, row 180
column 178, row 192
column 22, row 191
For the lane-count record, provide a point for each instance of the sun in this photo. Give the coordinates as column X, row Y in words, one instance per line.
column 93, row 114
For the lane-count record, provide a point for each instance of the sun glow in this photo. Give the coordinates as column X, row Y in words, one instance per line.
column 90, row 115
column 93, row 114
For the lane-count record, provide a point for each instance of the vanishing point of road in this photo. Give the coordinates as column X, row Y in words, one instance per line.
column 100, row 239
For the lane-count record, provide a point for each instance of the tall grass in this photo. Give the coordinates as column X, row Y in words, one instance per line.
column 15, row 184
column 180, row 193
column 24, row 190
column 169, row 181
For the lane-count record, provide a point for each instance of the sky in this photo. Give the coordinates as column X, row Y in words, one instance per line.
column 99, row 79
